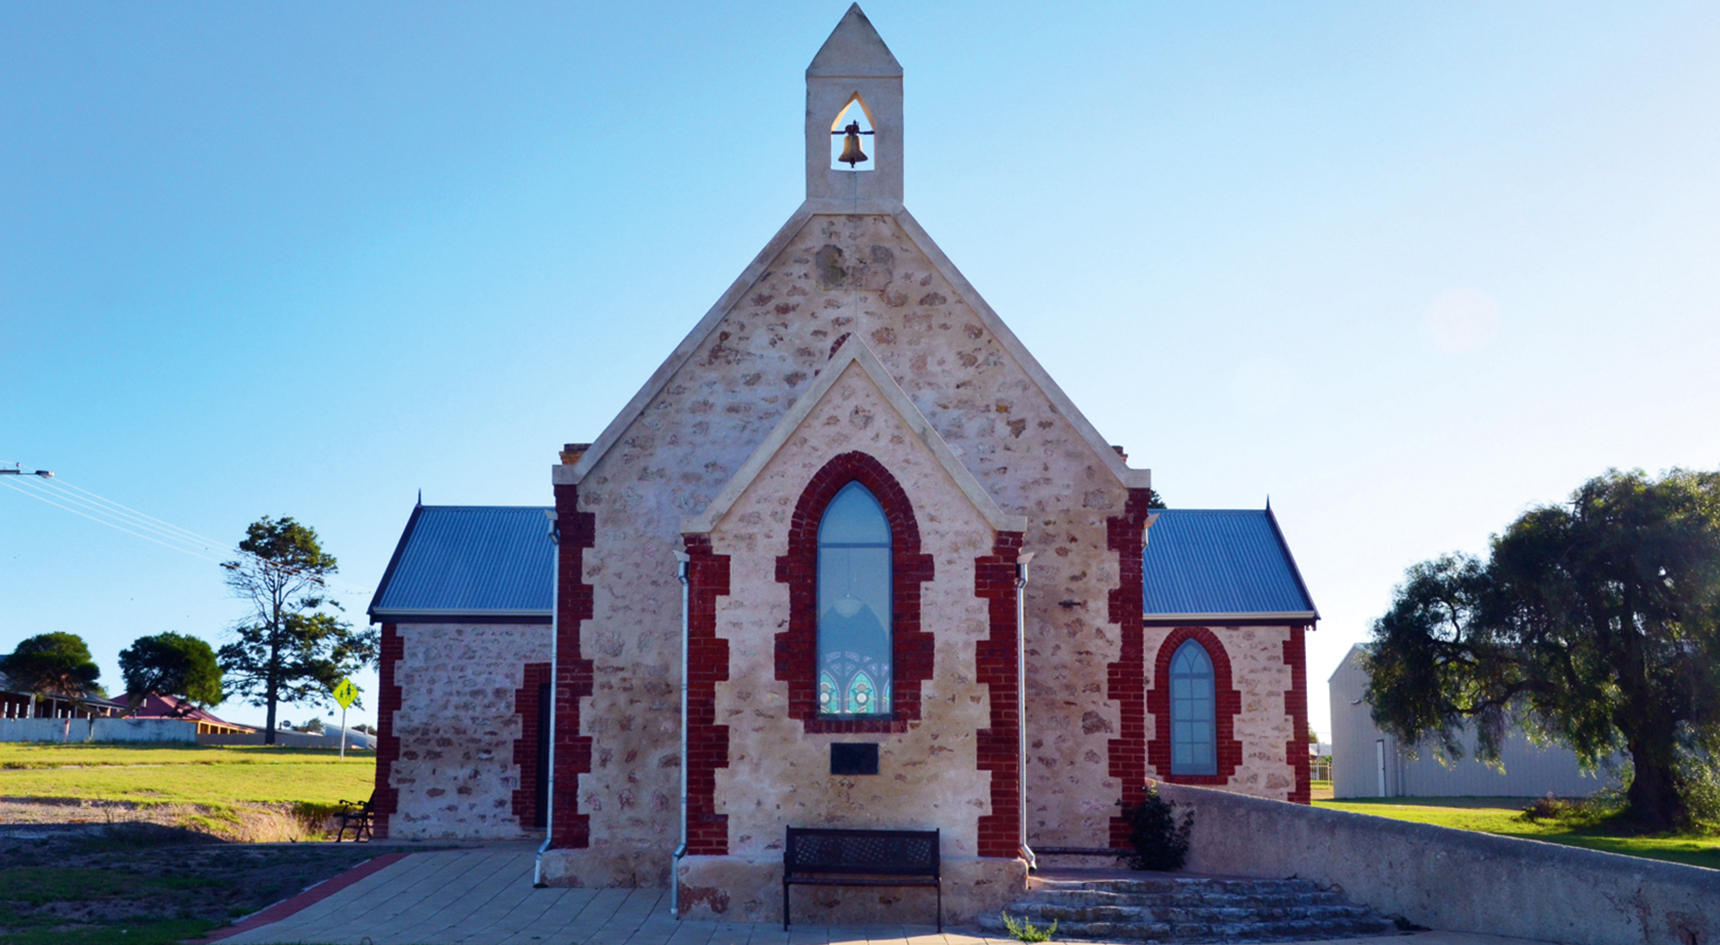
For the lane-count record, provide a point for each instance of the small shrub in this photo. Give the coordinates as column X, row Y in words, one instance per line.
column 1025, row 931
column 1548, row 808
column 1702, row 791
column 1582, row 812
column 1158, row 838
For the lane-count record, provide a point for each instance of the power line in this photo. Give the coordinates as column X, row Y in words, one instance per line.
column 133, row 512
column 42, row 498
column 138, row 524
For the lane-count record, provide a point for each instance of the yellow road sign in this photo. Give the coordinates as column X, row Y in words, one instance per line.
column 345, row 692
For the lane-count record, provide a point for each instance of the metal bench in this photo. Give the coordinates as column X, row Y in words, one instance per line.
column 816, row 856
column 357, row 818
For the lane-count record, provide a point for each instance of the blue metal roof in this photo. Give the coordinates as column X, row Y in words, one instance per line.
column 470, row 561
column 1221, row 563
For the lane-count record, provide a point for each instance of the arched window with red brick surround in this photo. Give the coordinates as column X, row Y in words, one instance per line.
column 1189, row 662
column 854, row 607
column 797, row 648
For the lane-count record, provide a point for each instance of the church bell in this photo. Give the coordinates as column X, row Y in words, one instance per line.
column 851, row 153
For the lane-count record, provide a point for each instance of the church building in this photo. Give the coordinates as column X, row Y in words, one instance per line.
column 849, row 558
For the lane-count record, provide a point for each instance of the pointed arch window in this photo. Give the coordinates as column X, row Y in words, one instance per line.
column 1194, row 712
column 854, row 607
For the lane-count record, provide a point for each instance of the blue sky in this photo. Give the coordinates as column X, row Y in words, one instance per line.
column 1407, row 268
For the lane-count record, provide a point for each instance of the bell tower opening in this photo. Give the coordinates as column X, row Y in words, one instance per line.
column 854, row 121
column 851, row 138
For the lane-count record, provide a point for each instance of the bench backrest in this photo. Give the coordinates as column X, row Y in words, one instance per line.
column 831, row 850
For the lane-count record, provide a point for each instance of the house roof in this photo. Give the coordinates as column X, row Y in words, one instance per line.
column 1221, row 565
column 470, row 561
column 156, row 705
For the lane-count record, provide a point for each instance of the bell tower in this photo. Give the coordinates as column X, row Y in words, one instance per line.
column 854, row 86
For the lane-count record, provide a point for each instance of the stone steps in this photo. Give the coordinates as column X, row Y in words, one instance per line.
column 1191, row 909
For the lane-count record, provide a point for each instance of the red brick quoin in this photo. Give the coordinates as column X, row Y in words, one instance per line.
column 1228, row 703
column 1000, row 744
column 1296, row 706
column 707, row 665
column 1126, row 679
column 797, row 647
column 573, row 673
column 526, row 746
column 386, row 798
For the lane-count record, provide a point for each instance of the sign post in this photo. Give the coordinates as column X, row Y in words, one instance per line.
column 344, row 693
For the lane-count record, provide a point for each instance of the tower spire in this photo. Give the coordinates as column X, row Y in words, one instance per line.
column 854, row 64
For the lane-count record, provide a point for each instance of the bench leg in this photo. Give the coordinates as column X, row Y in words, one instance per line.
column 940, row 908
column 785, row 905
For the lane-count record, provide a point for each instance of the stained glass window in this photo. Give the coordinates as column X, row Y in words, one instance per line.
column 854, row 595
column 1194, row 715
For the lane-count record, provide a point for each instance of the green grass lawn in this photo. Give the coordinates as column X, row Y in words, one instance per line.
column 1502, row 816
column 214, row 776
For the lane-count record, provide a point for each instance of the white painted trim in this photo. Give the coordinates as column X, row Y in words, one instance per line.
column 853, row 352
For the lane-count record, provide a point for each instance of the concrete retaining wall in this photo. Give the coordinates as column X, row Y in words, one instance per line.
column 1456, row 880
column 103, row 730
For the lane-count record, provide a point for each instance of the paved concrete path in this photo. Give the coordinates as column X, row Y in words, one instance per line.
column 484, row 896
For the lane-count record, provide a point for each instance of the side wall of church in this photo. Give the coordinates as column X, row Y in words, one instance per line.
column 457, row 725
column 778, row 773
column 839, row 275
column 1265, row 720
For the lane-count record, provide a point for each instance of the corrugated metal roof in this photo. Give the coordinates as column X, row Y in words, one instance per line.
column 470, row 560
column 1221, row 562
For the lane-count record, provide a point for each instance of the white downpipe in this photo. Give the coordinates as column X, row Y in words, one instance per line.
column 681, row 848
column 549, row 789
column 1021, row 564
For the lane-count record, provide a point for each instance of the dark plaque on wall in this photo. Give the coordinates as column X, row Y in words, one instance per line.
column 854, row 758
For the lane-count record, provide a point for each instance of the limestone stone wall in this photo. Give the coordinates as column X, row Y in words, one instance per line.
column 456, row 724
column 1258, row 672
column 839, row 275
column 778, row 774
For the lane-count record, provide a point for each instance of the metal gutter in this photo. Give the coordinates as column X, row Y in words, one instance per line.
column 681, row 848
column 1258, row 619
column 554, row 626
column 383, row 616
column 1021, row 564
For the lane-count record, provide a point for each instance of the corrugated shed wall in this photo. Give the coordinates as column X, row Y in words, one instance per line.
column 1356, row 756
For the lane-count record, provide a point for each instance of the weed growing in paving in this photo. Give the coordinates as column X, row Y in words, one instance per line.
column 1025, row 931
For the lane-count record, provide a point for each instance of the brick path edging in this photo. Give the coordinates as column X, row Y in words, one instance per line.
column 303, row 900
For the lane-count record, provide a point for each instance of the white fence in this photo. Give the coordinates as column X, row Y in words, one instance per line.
column 98, row 730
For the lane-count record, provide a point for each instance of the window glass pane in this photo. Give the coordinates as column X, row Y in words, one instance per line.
column 1194, row 736
column 854, row 516
column 854, row 605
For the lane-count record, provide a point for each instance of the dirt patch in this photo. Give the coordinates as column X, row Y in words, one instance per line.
column 239, row 823
column 84, row 882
